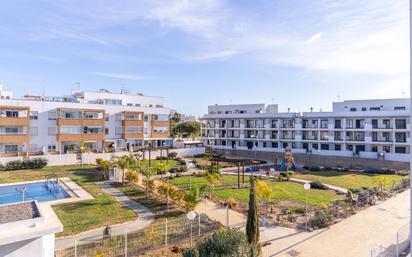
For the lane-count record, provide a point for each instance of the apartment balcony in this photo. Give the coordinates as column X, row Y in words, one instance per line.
column 14, row 116
column 80, row 137
column 399, row 140
column 14, row 138
column 324, row 138
column 309, row 126
column 338, row 139
column 132, row 135
column 160, row 135
column 355, row 127
column 382, row 127
column 309, row 138
column 160, row 123
column 288, row 137
column 355, row 139
column 382, row 139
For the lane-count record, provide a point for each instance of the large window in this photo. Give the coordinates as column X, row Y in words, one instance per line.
column 10, row 148
column 133, row 129
column 400, row 124
column 163, row 117
column 92, row 130
column 70, row 130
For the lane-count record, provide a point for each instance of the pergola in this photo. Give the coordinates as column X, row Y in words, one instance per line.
column 238, row 161
column 151, row 148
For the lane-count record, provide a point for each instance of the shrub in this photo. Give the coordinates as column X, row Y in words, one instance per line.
column 315, row 168
column 384, row 171
column 231, row 202
column 161, row 158
column 223, row 242
column 36, row 163
column 132, row 176
column 318, row 185
column 320, row 220
column 172, row 155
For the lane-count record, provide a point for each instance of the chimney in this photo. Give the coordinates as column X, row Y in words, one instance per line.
column 288, row 109
column 311, row 109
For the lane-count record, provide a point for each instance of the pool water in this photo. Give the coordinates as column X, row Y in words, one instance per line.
column 32, row 191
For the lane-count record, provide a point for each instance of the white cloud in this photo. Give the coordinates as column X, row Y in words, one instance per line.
column 316, row 37
column 118, row 75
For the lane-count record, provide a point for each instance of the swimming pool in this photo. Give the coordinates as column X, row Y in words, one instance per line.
column 32, row 191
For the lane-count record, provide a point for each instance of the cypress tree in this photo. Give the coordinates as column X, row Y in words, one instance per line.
column 252, row 225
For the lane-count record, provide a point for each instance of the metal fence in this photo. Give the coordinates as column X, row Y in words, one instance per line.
column 159, row 234
column 395, row 246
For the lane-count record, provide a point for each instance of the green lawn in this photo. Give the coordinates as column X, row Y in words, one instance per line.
column 282, row 191
column 155, row 163
column 349, row 179
column 80, row 216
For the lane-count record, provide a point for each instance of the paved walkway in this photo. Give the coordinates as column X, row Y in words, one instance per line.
column 335, row 188
column 354, row 236
column 144, row 219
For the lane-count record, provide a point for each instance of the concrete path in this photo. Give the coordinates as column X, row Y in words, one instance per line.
column 354, row 236
column 144, row 219
column 335, row 188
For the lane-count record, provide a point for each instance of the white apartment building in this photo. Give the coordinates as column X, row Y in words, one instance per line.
column 378, row 129
column 98, row 121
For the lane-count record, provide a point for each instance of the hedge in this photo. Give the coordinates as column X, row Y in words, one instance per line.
column 36, row 163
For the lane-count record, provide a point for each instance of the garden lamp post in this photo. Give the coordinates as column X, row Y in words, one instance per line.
column 307, row 188
column 191, row 216
column 168, row 185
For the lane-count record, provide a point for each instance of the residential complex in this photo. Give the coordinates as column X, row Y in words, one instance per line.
column 96, row 121
column 377, row 129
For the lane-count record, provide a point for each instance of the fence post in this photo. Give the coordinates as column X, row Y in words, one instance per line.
column 75, row 247
column 397, row 244
column 125, row 243
column 198, row 232
column 166, row 232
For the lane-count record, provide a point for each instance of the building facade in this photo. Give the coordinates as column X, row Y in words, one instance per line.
column 363, row 128
column 92, row 121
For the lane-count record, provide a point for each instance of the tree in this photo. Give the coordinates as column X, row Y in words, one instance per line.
column 148, row 182
column 104, row 166
column 191, row 199
column 212, row 179
column 172, row 155
column 264, row 192
column 190, row 129
column 175, row 119
column 124, row 163
column 222, row 243
column 252, row 225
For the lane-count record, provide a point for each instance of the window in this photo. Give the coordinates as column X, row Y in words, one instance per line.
column 338, row 147
column 399, row 108
column 400, row 137
column 160, row 129
column 52, row 131
column 374, row 149
column 92, row 130
column 118, row 131
column 51, row 148
column 274, row 145
column 387, row 148
column 70, row 130
column 12, row 130
column 163, row 117
column 12, row 114
column 118, row 117
column 400, row 124
column 106, row 131
column 324, row 123
column 364, row 109
column 146, row 118
column 338, row 124
column 264, row 144
column 353, row 109
column 400, row 149
column 374, row 109
column 52, row 115
column 133, row 129
column 324, row 147
column 10, row 148
column 33, row 131
column 34, row 115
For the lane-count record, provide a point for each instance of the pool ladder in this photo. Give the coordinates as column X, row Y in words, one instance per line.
column 52, row 183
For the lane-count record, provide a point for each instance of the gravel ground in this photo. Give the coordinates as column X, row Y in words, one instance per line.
column 17, row 212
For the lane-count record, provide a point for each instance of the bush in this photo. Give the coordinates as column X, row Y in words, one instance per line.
column 318, row 185
column 172, row 155
column 132, row 176
column 159, row 158
column 320, row 220
column 315, row 168
column 231, row 202
column 383, row 171
column 223, row 242
column 36, row 163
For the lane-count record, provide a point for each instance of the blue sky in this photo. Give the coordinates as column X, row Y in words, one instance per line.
column 297, row 53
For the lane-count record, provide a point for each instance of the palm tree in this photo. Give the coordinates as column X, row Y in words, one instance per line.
column 124, row 163
column 191, row 199
column 148, row 182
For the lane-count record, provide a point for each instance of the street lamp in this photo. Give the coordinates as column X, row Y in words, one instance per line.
column 307, row 188
column 191, row 216
column 168, row 185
